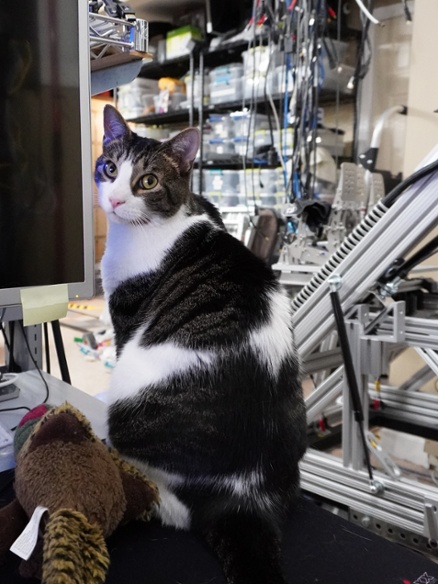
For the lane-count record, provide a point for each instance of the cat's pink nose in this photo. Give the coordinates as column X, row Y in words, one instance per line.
column 115, row 202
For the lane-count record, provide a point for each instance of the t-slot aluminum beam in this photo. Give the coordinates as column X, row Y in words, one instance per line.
column 415, row 407
column 418, row 379
column 401, row 502
column 383, row 236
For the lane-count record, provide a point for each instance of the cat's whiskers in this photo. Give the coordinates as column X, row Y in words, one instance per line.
column 141, row 221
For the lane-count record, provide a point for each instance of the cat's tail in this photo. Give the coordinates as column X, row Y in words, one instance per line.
column 248, row 548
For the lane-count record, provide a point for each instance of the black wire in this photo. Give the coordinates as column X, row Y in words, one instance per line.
column 34, row 362
column 401, row 268
column 350, row 375
column 13, row 409
column 423, row 172
column 12, row 365
column 5, row 337
column 46, row 346
column 422, row 254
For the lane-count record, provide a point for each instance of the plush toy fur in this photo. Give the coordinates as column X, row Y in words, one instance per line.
column 88, row 490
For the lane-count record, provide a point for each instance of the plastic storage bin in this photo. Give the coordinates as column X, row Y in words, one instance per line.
column 254, row 85
column 256, row 60
column 219, row 180
column 220, row 148
column 197, row 87
column 226, row 83
column 222, row 126
column 226, row 73
column 242, row 146
column 221, row 92
column 245, row 122
column 130, row 97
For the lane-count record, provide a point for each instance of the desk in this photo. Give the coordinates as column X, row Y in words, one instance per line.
column 33, row 392
column 318, row 546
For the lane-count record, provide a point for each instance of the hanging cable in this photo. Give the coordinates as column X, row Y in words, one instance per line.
column 423, row 172
column 367, row 13
column 23, row 330
column 350, row 375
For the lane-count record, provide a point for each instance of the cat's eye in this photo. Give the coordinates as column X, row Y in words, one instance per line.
column 110, row 169
column 148, row 181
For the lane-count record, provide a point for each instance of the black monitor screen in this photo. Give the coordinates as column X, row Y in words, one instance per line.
column 41, row 205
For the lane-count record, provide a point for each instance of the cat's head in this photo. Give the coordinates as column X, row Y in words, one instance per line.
column 141, row 180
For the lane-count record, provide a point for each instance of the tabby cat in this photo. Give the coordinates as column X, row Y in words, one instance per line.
column 205, row 396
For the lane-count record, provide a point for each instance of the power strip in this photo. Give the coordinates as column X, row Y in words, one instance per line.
column 9, row 391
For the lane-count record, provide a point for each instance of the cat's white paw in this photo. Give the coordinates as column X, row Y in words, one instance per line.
column 172, row 511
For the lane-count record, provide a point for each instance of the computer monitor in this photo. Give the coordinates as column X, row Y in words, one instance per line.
column 46, row 201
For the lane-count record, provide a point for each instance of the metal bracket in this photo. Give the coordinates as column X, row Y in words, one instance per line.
column 396, row 314
column 431, row 518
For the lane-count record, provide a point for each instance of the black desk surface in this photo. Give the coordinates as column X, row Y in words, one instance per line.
column 318, row 547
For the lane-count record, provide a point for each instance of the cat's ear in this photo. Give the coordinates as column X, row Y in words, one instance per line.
column 183, row 147
column 114, row 125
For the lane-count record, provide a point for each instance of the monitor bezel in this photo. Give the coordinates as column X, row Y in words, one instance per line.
column 11, row 297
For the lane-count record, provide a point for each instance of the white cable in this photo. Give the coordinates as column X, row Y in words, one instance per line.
column 8, row 379
column 274, row 111
column 367, row 13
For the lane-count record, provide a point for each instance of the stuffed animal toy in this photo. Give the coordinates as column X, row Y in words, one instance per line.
column 87, row 488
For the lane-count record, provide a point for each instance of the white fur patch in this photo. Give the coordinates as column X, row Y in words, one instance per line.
column 119, row 189
column 132, row 250
column 273, row 341
column 249, row 487
column 171, row 511
column 139, row 367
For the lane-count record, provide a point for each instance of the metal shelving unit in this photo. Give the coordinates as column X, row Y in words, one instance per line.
column 118, row 49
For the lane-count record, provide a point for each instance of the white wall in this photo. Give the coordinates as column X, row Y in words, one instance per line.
column 422, row 125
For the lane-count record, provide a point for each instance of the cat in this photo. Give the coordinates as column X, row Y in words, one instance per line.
column 205, row 396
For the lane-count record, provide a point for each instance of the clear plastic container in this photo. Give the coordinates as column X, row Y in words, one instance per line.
column 242, row 146
column 254, row 84
column 130, row 97
column 130, row 103
column 196, row 86
column 221, row 180
column 222, row 126
column 262, row 138
column 226, row 73
column 224, row 91
column 256, row 60
column 220, row 147
column 245, row 122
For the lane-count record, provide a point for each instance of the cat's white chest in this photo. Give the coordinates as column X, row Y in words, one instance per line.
column 133, row 250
